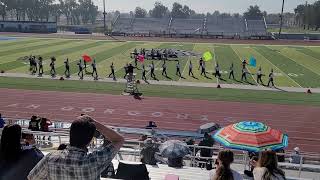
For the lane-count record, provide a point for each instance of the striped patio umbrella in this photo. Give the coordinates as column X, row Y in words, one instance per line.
column 251, row 136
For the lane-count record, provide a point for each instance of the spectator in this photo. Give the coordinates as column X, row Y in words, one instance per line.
column 207, row 153
column 295, row 156
column 44, row 124
column 29, row 141
column 267, row 167
column 223, row 171
column 281, row 157
column 253, row 160
column 16, row 162
column 2, row 122
column 148, row 152
column 151, row 125
column 34, row 124
column 75, row 162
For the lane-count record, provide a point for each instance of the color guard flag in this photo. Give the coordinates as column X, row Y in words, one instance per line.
column 207, row 56
column 141, row 58
column 253, row 62
column 86, row 58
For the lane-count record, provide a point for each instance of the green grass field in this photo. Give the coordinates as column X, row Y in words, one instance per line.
column 294, row 66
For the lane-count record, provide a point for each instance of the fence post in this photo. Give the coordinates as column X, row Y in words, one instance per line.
column 194, row 156
column 300, row 168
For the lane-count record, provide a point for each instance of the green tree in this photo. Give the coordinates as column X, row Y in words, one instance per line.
column 140, row 12
column 179, row 11
column 159, row 10
column 253, row 12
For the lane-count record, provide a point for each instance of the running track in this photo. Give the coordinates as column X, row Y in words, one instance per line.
column 301, row 123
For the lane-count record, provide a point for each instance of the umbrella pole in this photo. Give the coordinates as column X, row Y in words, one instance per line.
column 246, row 160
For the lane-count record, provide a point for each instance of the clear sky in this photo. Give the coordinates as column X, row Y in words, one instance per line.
column 204, row 6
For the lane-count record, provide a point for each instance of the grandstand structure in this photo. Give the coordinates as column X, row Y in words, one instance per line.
column 228, row 27
column 308, row 169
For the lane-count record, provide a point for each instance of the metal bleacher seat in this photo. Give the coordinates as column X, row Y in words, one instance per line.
column 257, row 27
column 224, row 26
column 187, row 26
column 160, row 171
column 150, row 25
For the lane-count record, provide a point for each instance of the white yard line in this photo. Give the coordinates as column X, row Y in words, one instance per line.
column 278, row 68
column 246, row 68
column 299, row 63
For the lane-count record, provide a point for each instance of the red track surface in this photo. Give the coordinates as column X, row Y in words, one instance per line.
column 301, row 123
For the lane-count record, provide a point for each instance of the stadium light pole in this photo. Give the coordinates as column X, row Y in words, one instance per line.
column 281, row 18
column 104, row 16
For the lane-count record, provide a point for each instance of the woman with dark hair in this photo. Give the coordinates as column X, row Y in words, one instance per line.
column 16, row 163
column 267, row 167
column 223, row 171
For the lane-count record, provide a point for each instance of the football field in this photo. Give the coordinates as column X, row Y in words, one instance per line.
column 294, row 66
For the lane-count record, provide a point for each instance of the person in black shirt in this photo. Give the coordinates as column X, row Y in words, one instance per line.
column 85, row 66
column 94, row 70
column 244, row 74
column 40, row 66
column 67, row 66
column 190, row 69
column 30, row 64
column 200, row 63
column 203, row 69
column 259, row 76
column 217, row 71
column 231, row 71
column 164, row 69
column 53, row 69
column 136, row 60
column 34, row 65
column 271, row 76
column 144, row 73
column 112, row 72
column 152, row 70
column 178, row 72
column 125, row 71
column 80, row 73
column 130, row 72
column 244, row 63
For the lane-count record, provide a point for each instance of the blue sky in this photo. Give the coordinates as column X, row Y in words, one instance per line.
column 229, row 6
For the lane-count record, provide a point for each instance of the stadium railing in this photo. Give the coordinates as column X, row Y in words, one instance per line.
column 308, row 162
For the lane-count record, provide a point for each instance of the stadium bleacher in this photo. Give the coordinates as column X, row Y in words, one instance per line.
column 130, row 153
column 150, row 25
column 186, row 26
column 122, row 25
column 256, row 27
column 226, row 26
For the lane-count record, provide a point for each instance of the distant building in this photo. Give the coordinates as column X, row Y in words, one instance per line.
column 28, row 27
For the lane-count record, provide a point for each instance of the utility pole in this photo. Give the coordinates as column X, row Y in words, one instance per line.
column 104, row 17
column 281, row 18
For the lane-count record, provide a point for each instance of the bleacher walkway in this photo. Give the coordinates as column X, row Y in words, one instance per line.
column 172, row 83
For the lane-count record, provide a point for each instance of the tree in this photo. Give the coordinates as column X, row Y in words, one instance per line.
column 253, row 12
column 179, row 11
column 159, row 10
column 140, row 13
